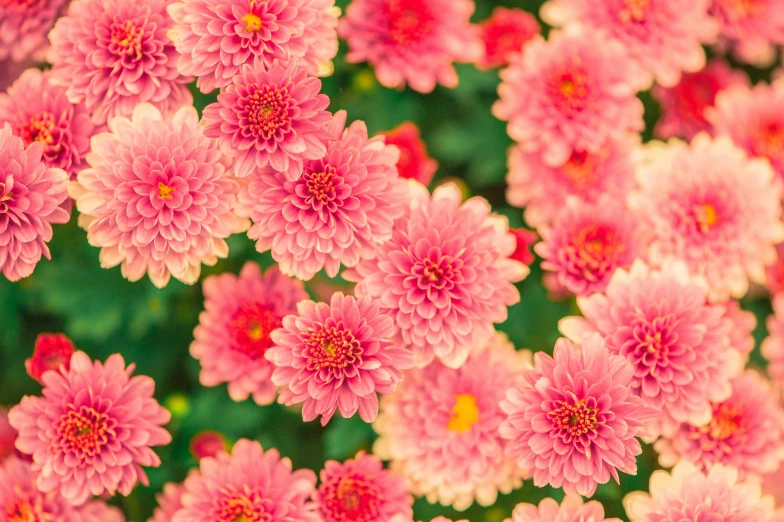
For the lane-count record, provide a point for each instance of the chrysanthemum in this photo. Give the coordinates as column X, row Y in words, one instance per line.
column 440, row 429
column 572, row 509
column 20, row 499
column 684, row 106
column 712, row 207
column 504, row 35
column 93, row 429
column 525, row 240
column 169, row 502
column 23, row 28
column 7, row 436
column 415, row 162
column 446, row 275
column 570, row 93
column 412, row 42
column 752, row 29
column 158, row 198
column 572, row 422
column 361, row 490
column 542, row 189
column 112, row 55
column 208, row 444
column 30, row 197
column 745, row 432
column 337, row 356
column 40, row 111
column 677, row 344
column 773, row 345
column 51, row 352
column 741, row 325
column 690, row 494
column 337, row 211
column 234, row 330
column 250, row 484
column 274, row 116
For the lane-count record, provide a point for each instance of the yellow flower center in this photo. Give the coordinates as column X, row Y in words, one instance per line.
column 465, row 413
column 252, row 23
column 706, row 216
column 634, row 10
column 165, row 191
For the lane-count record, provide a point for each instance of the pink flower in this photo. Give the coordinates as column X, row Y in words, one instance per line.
column 158, row 198
column 571, row 93
column 525, row 240
column 542, row 189
column 690, row 494
column 51, row 352
column 741, row 325
column 234, row 330
column 20, row 499
column 169, row 502
column 30, row 197
column 504, row 35
column 440, row 429
column 249, row 484
column 664, row 37
column 774, row 274
column 745, row 432
column 23, row 28
column 572, row 421
column 10, row 71
column 414, row 162
column 411, row 42
column 272, row 116
column 712, row 207
column 587, row 242
column 40, row 111
column 773, row 484
column 93, row 429
column 751, row 29
column 100, row 511
column 572, row 509
column 773, row 346
column 361, row 490
column 7, row 436
column 677, row 344
column 208, row 444
column 446, row 275
column 215, row 39
column 337, row 211
column 684, row 106
column 337, row 356
column 112, row 55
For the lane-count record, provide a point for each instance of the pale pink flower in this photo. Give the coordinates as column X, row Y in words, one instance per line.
column 51, row 352
column 415, row 162
column 112, row 55
column 31, row 195
column 93, row 429
column 773, row 345
column 570, row 93
column 446, row 275
column 361, row 490
column 572, row 422
column 337, row 356
column 572, row 509
column 504, row 35
column 169, row 502
column 741, row 325
column 159, row 198
column 249, row 484
column 20, row 499
column 690, row 494
column 412, row 42
column 440, row 428
column 23, row 28
column 752, row 29
column 712, row 207
column 234, row 329
column 677, row 344
column 214, row 39
column 337, row 211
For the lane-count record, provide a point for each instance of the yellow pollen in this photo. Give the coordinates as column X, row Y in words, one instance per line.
column 255, row 332
column 635, row 10
column 706, row 216
column 165, row 191
column 464, row 414
column 5, row 198
column 567, row 87
column 252, row 23
column 329, row 349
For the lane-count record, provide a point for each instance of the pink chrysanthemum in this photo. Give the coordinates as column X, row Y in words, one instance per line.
column 504, row 35
column 215, row 39
column 23, row 28
column 774, row 274
column 411, row 42
column 31, row 195
column 664, row 37
column 361, row 490
column 745, row 432
column 92, row 430
column 249, row 484
column 273, row 116
column 337, row 211
column 773, row 345
column 690, row 494
column 40, row 111
column 446, row 275
column 51, row 352
column 752, row 29
column 572, row 422
column 712, row 207
column 415, row 162
column 587, row 242
column 542, row 189
column 159, row 198
column 169, row 502
column 741, row 325
column 572, row 509
column 677, row 343
column 112, row 55
column 7, row 436
column 208, row 444
column 684, row 106
column 20, row 499
column 570, row 93
column 440, row 429
column 234, row 330
column 337, row 356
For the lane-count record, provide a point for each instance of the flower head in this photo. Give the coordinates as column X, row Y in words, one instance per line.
column 23, row 28
column 572, row 509
column 752, row 29
column 20, row 499
column 51, row 352
column 414, row 162
column 504, row 35
column 169, row 502
column 208, row 444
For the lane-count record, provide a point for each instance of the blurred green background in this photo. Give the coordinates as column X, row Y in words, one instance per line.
column 105, row 314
